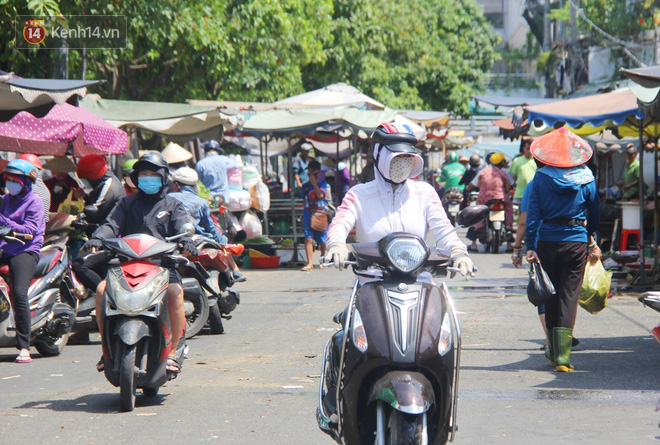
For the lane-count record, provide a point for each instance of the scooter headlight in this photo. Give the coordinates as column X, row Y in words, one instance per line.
column 359, row 334
column 133, row 302
column 406, row 254
column 446, row 342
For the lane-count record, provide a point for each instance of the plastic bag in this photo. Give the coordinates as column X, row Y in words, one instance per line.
column 260, row 196
column 595, row 287
column 251, row 224
column 539, row 289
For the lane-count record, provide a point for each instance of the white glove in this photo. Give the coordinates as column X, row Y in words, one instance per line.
column 338, row 253
column 461, row 261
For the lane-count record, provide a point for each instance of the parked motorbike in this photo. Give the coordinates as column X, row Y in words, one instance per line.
column 53, row 314
column 137, row 334
column 451, row 201
column 493, row 234
column 652, row 300
column 71, row 230
column 391, row 372
column 216, row 280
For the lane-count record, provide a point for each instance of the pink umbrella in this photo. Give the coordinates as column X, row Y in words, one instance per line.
column 64, row 125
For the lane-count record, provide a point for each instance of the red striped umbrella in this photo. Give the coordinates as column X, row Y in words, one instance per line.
column 64, row 126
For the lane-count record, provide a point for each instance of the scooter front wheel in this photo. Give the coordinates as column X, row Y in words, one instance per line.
column 215, row 320
column 405, row 429
column 127, row 379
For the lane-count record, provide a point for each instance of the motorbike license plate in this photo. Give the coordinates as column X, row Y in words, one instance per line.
column 453, row 208
column 496, row 216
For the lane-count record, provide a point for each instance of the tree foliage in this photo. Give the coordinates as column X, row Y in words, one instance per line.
column 423, row 54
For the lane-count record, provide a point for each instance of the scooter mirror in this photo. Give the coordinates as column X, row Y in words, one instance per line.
column 472, row 215
column 188, row 229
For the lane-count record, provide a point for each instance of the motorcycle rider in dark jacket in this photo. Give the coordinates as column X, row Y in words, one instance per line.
column 106, row 188
column 149, row 211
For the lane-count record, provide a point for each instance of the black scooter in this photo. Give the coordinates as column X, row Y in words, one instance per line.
column 390, row 374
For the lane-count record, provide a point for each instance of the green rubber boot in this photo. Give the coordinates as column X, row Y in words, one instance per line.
column 562, row 339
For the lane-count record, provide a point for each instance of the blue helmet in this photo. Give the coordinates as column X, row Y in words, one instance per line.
column 21, row 167
column 213, row 145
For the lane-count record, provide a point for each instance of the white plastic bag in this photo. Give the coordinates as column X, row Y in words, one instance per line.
column 251, row 224
column 238, row 200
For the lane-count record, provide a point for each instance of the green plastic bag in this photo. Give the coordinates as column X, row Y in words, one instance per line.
column 595, row 287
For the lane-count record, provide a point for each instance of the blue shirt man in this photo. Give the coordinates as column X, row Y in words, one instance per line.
column 185, row 180
column 212, row 169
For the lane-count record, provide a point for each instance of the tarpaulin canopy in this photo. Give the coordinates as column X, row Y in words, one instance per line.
column 648, row 77
column 63, row 126
column 335, row 95
column 37, row 96
column 427, row 118
column 511, row 101
column 277, row 147
column 178, row 122
column 595, row 110
column 285, row 123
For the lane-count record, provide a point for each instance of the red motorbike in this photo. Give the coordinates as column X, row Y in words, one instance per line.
column 216, row 279
column 52, row 314
column 136, row 335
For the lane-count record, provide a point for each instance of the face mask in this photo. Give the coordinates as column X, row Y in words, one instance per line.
column 400, row 168
column 14, row 188
column 150, row 184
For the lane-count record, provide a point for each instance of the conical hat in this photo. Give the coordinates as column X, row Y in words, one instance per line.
column 174, row 153
column 561, row 148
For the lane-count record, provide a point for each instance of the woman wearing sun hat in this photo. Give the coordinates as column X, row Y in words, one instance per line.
column 562, row 217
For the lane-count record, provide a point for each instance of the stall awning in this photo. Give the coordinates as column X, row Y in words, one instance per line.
column 648, row 77
column 427, row 118
column 512, row 101
column 37, row 96
column 335, row 95
column 177, row 122
column 588, row 114
column 286, row 123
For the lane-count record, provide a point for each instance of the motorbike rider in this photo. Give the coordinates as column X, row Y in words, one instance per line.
column 127, row 169
column 186, row 190
column 494, row 183
column 39, row 187
column 452, row 172
column 21, row 211
column 394, row 203
column 150, row 211
column 213, row 168
column 105, row 189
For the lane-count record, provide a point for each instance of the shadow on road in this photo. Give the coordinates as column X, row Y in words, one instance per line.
column 610, row 364
column 92, row 403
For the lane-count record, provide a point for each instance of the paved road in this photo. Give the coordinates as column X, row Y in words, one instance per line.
column 257, row 384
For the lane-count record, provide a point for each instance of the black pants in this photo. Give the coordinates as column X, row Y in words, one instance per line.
column 92, row 269
column 564, row 262
column 21, row 270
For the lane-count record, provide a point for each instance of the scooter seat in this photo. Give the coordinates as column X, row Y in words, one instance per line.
column 49, row 256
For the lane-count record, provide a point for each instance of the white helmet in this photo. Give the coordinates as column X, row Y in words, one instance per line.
column 185, row 175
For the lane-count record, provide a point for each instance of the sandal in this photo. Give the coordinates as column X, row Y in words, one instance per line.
column 471, row 249
column 23, row 358
column 308, row 267
column 173, row 368
column 100, row 366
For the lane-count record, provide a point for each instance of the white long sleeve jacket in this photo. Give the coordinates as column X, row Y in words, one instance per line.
column 376, row 210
